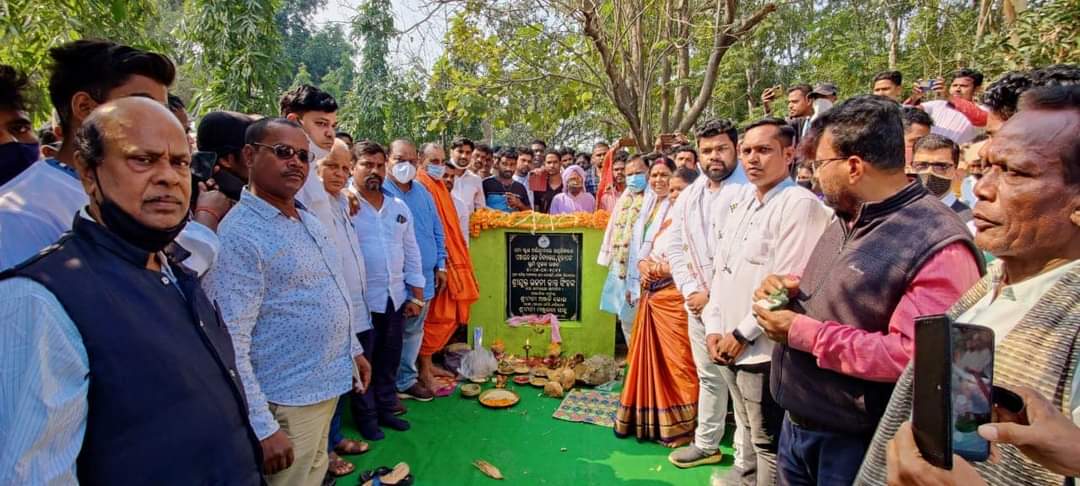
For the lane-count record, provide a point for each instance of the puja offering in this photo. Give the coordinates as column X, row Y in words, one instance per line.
column 539, row 371
column 538, row 381
column 521, row 379
column 597, row 370
column 521, row 369
column 553, row 389
column 499, row 398
column 470, row 390
column 500, row 381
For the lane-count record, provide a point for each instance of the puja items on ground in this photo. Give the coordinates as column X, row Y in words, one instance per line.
column 480, row 363
column 553, row 389
column 597, row 370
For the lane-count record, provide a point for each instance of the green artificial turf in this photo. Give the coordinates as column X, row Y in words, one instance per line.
column 525, row 443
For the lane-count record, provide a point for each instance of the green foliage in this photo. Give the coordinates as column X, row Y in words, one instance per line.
column 1044, row 35
column 239, row 55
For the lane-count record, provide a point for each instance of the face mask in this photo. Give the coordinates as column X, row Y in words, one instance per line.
column 806, row 183
column 403, row 172
column 436, row 171
column 129, row 229
column 15, row 157
column 574, row 189
column 229, row 184
column 636, row 183
column 936, row 184
column 820, row 105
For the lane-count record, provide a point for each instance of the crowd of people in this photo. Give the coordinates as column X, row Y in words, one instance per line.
column 196, row 303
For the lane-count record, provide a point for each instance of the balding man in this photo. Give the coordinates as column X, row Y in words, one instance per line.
column 107, row 343
column 431, row 239
column 39, row 205
column 284, row 297
column 333, row 171
column 450, row 307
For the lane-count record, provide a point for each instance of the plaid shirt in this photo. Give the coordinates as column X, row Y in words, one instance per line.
column 592, row 179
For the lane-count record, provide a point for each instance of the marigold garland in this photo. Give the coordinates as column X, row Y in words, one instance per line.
column 484, row 219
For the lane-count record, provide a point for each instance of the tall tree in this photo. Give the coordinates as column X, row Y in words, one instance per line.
column 238, row 56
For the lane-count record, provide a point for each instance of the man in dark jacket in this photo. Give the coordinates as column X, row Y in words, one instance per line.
column 116, row 366
column 893, row 253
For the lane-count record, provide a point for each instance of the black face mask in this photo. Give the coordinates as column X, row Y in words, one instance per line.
column 806, row 183
column 936, row 184
column 130, row 229
column 16, row 157
column 229, row 184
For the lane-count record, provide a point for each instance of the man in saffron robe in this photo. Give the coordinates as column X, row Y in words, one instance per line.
column 450, row 307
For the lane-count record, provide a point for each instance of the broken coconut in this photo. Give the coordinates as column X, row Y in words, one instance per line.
column 553, row 389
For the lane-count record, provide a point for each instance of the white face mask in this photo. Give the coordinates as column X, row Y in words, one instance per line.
column 436, row 171
column 820, row 105
column 403, row 172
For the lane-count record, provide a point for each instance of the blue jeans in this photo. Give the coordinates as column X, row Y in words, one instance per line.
column 814, row 457
column 413, row 337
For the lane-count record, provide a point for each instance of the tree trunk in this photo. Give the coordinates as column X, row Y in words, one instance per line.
column 894, row 38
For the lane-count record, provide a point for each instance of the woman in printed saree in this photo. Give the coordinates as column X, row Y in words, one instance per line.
column 659, row 397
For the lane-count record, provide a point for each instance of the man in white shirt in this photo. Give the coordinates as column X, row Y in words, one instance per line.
column 39, row 204
column 770, row 230
column 334, row 170
column 395, row 285
column 691, row 255
column 468, row 187
column 316, row 111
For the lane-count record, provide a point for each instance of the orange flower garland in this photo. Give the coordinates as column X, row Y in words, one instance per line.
column 484, row 219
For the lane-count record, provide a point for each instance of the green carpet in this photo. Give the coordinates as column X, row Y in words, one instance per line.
column 525, row 443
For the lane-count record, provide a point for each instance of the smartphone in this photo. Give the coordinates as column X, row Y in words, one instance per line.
column 538, row 181
column 202, row 165
column 953, row 383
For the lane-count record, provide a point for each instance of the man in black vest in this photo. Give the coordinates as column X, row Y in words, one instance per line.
column 116, row 366
column 893, row 253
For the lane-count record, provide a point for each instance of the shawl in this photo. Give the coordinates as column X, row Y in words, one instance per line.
column 1041, row 352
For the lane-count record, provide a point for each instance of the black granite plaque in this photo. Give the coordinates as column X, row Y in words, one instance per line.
column 543, row 274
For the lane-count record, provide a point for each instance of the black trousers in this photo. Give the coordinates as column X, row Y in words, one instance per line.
column 382, row 348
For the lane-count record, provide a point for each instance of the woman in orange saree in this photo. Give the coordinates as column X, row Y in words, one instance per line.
column 659, row 396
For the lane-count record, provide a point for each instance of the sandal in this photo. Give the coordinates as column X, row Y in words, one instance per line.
column 349, row 447
column 399, row 476
column 339, row 467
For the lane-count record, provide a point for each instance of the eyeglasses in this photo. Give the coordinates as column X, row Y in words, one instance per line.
column 940, row 167
column 285, row 152
column 819, row 163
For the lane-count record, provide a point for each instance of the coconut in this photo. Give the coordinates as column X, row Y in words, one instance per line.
column 553, row 389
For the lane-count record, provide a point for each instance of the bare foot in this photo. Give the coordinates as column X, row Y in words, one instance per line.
column 676, row 443
column 428, row 381
column 441, row 372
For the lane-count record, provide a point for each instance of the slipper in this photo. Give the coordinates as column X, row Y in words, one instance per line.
column 350, row 447
column 339, row 467
column 399, row 476
column 446, row 390
column 370, row 474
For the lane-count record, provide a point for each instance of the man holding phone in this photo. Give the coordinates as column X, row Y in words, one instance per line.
column 848, row 334
column 955, row 114
column 501, row 191
column 1029, row 296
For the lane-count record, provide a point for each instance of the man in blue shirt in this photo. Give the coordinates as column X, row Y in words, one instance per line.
column 431, row 240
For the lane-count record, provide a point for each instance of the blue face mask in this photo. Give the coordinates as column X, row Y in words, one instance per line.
column 636, row 183
column 436, row 171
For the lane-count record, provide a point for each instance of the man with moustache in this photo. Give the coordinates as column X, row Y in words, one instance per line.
column 395, row 284
column 697, row 211
column 893, row 253
column 772, row 228
column 108, row 346
column 39, row 204
column 283, row 294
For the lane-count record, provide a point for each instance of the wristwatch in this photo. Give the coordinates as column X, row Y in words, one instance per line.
column 739, row 337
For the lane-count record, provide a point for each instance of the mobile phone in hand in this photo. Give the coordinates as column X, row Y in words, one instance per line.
column 953, row 383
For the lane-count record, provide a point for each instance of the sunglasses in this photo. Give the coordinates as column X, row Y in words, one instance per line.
column 286, row 152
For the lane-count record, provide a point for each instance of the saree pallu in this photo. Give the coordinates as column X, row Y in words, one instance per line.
column 659, row 397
